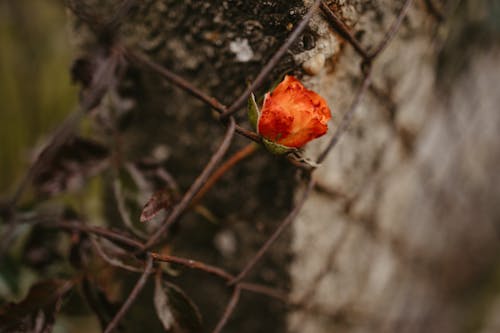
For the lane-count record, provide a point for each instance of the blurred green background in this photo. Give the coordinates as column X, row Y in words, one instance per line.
column 36, row 94
column 35, row 87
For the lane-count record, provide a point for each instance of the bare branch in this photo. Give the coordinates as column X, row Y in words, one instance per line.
column 391, row 33
column 109, row 234
column 282, row 226
column 195, row 187
column 131, row 297
column 225, row 167
column 231, row 305
column 193, row 264
column 175, row 79
column 343, row 30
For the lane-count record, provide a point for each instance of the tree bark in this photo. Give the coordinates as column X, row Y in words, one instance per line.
column 401, row 232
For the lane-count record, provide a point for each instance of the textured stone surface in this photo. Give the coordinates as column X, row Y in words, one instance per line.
column 403, row 234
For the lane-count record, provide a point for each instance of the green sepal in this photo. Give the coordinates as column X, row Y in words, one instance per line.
column 276, row 148
column 253, row 111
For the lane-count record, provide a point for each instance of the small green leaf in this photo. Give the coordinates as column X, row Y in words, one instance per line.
column 253, row 111
column 276, row 148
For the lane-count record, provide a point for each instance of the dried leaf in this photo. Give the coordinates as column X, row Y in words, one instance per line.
column 162, row 305
column 98, row 302
column 74, row 162
column 161, row 199
column 36, row 313
column 174, row 308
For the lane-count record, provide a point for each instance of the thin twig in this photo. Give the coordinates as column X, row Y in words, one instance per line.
column 131, row 297
column 193, row 264
column 271, row 64
column 179, row 209
column 219, row 272
column 137, row 57
column 231, row 305
column 106, row 233
column 248, row 134
column 346, row 120
column 283, row 225
column 225, row 167
column 391, row 33
column 264, row 290
column 343, row 30
column 188, row 87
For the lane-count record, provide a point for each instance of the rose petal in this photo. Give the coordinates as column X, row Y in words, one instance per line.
column 293, row 115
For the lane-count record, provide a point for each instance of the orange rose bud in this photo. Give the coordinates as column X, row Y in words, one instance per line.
column 293, row 115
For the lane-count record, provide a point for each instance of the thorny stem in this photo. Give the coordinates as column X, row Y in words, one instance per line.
column 132, row 296
column 282, row 226
column 225, row 167
column 272, row 62
column 231, row 305
column 195, row 187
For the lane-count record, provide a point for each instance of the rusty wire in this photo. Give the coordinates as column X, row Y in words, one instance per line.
column 235, row 282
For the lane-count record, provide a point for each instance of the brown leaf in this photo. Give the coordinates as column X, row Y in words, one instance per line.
column 161, row 199
column 75, row 161
column 176, row 311
column 36, row 312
